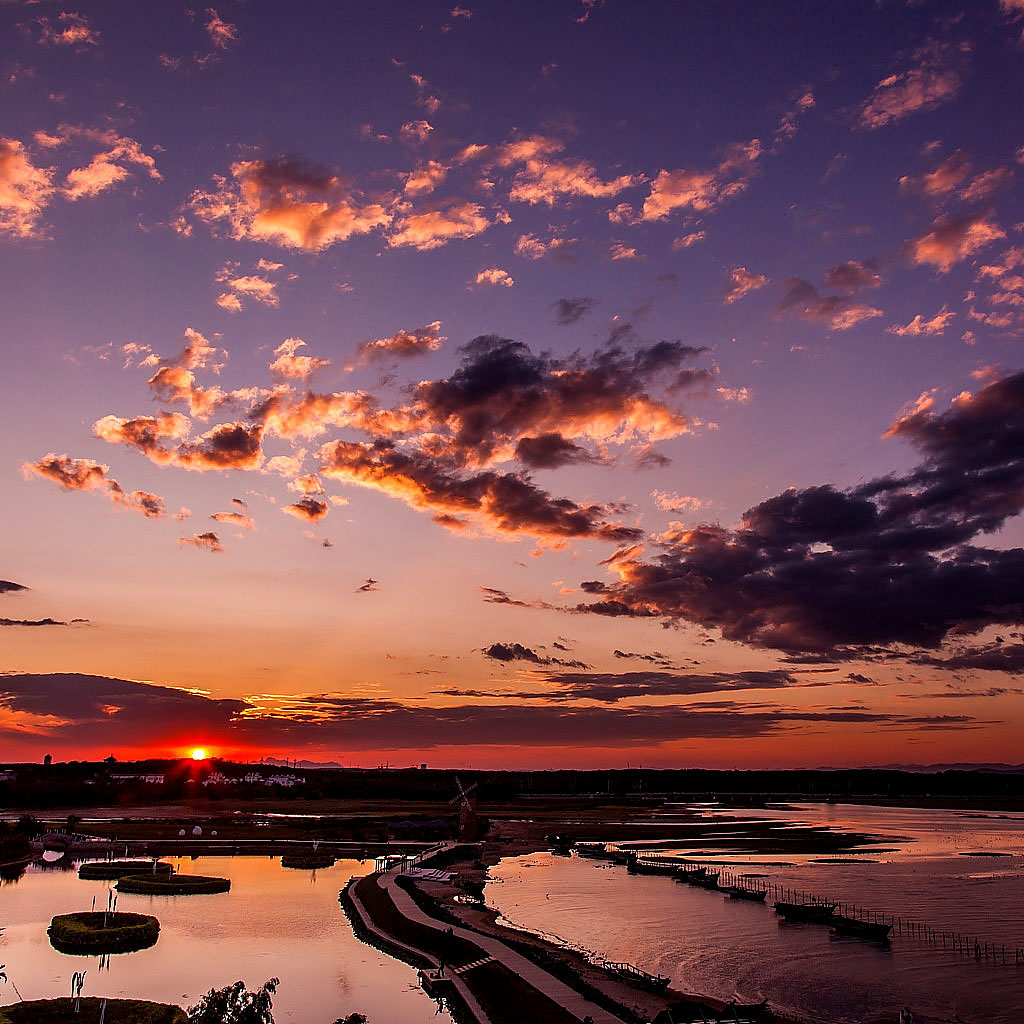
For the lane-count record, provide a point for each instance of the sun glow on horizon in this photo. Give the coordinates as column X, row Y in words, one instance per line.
column 199, row 754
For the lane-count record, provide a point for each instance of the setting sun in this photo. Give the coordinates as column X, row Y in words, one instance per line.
column 199, row 754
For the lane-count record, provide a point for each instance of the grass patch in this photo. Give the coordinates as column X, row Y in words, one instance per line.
column 172, row 884
column 109, row 869
column 119, row 1011
column 93, row 932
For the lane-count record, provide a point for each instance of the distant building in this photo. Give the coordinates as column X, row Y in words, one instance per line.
column 283, row 780
column 152, row 780
column 218, row 779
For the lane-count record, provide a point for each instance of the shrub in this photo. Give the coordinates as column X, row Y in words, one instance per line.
column 103, row 933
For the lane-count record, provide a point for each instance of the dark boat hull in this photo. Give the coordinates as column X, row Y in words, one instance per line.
column 814, row 913
column 860, row 929
column 753, row 895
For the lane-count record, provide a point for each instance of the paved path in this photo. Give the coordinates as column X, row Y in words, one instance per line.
column 468, row 999
column 533, row 974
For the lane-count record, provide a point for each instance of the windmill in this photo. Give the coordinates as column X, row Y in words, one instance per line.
column 468, row 826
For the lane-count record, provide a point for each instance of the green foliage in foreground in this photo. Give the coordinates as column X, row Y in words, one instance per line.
column 96, row 932
column 119, row 1011
column 172, row 885
column 235, row 1004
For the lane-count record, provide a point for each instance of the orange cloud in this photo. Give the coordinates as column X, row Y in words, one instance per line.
column 289, row 202
column 287, row 413
column 840, row 312
column 247, row 286
column 918, row 326
column 226, row 446
column 701, row 191
column 307, row 484
column 235, row 519
column 506, row 503
column 532, row 248
column 221, row 34
column 146, row 433
column 404, row 344
column 68, row 30
column 86, row 475
column 208, row 541
column 494, row 275
column 935, row 77
column 952, row 239
column 435, row 228
column 25, row 190
column 425, row 178
column 741, row 282
column 310, row 508
column 544, row 179
column 288, row 364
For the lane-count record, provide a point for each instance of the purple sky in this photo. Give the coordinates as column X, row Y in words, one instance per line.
column 563, row 383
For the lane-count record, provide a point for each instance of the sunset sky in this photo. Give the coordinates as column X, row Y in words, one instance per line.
column 537, row 384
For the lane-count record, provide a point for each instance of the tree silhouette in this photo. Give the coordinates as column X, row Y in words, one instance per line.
column 235, row 1004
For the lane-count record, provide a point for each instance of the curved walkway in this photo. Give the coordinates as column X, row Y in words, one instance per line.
column 532, row 973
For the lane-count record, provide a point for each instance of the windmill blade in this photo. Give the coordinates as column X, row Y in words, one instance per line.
column 463, row 795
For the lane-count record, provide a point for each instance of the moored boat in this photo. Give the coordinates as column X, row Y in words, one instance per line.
column 689, row 874
column 707, row 881
column 860, row 929
column 816, row 913
column 588, row 849
column 737, row 892
column 651, row 866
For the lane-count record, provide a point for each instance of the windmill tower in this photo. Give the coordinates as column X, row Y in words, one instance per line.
column 468, row 827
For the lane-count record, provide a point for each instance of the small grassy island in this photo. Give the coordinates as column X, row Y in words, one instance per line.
column 172, row 884
column 307, row 860
column 119, row 1011
column 96, row 932
column 110, row 869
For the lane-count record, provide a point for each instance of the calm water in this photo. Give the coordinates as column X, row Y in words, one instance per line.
column 726, row 948
column 274, row 922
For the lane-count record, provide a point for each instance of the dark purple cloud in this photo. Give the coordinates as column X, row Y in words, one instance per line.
column 614, row 686
column 517, row 652
column 1008, row 658
column 98, row 712
column 887, row 562
column 571, row 311
column 551, row 450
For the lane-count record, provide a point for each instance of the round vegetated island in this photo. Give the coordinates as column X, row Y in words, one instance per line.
column 111, row 869
column 172, row 884
column 119, row 1011
column 307, row 860
column 98, row 932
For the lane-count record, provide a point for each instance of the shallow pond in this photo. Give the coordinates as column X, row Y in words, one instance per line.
column 275, row 922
